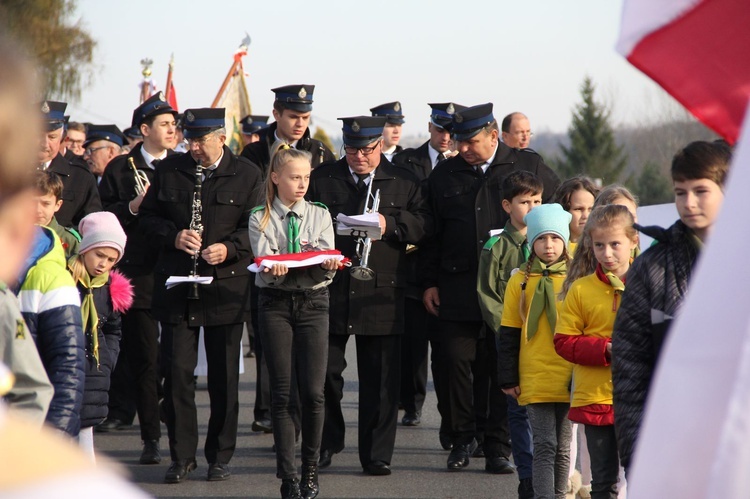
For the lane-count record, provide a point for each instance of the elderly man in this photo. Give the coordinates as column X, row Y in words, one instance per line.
column 80, row 195
column 135, row 378
column 394, row 121
column 516, row 131
column 466, row 202
column 103, row 144
column 196, row 211
column 292, row 109
column 373, row 310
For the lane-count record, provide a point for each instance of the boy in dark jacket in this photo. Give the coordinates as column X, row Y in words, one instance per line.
column 658, row 283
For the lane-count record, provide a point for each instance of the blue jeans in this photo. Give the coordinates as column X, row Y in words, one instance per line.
column 294, row 332
column 520, row 438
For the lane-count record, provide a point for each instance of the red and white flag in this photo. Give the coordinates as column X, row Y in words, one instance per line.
column 297, row 260
column 698, row 51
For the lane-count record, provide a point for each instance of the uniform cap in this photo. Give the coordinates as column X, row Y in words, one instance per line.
column 470, row 121
column 392, row 111
column 53, row 113
column 153, row 106
column 359, row 131
column 202, row 121
column 253, row 123
column 295, row 97
column 442, row 113
column 105, row 132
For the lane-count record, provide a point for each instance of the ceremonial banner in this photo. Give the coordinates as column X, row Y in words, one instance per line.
column 234, row 97
column 698, row 50
column 694, row 437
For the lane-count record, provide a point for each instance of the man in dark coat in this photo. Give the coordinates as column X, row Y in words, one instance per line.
column 135, row 381
column 202, row 229
column 465, row 196
column 80, row 194
column 292, row 109
column 372, row 309
column 421, row 326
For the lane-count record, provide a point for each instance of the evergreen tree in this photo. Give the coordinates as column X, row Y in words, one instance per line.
column 651, row 186
column 63, row 49
column 592, row 149
column 322, row 136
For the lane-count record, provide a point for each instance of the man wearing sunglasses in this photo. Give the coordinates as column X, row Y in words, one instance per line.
column 372, row 310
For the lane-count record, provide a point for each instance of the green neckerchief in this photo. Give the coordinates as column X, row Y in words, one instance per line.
column 293, row 233
column 88, row 308
column 544, row 295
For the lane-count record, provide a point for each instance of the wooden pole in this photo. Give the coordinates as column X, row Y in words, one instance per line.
column 235, row 64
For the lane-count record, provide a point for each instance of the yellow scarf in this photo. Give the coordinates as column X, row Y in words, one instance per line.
column 88, row 307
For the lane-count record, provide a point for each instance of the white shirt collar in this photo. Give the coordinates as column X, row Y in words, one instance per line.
column 434, row 154
column 487, row 163
column 355, row 176
column 148, row 158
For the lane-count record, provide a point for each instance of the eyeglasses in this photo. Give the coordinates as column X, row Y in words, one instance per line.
column 521, row 133
column 201, row 141
column 92, row 150
column 366, row 151
column 74, row 142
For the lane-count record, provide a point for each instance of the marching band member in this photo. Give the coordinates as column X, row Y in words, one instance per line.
column 373, row 310
column 196, row 211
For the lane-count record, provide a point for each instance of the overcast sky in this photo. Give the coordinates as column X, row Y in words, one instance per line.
column 528, row 56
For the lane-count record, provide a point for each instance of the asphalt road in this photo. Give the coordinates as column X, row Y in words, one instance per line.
column 419, row 463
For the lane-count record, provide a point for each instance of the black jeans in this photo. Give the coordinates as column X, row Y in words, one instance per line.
column 605, row 464
column 293, row 326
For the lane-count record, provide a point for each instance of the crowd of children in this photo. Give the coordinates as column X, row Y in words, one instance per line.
column 577, row 333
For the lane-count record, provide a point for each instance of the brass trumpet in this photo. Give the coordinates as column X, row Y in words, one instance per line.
column 141, row 179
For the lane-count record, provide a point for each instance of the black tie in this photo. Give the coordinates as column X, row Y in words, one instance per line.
column 361, row 182
column 155, row 162
column 440, row 158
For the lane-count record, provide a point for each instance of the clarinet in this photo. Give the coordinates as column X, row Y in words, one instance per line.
column 196, row 224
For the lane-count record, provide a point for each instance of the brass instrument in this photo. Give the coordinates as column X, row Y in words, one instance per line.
column 141, row 179
column 363, row 272
column 196, row 224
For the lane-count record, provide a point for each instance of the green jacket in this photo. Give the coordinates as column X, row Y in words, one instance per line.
column 68, row 237
column 500, row 256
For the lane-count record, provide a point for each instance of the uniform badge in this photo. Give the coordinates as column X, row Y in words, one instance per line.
column 45, row 107
column 355, row 127
column 458, row 118
column 20, row 330
column 189, row 117
column 302, row 93
column 397, row 107
column 450, row 109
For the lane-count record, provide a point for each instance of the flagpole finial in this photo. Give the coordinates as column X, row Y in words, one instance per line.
column 146, row 63
column 245, row 44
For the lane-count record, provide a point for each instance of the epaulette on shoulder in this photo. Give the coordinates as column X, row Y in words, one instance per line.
column 318, row 203
column 257, row 209
column 74, row 232
column 490, row 243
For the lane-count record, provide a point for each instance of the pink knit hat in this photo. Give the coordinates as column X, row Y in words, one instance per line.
column 101, row 230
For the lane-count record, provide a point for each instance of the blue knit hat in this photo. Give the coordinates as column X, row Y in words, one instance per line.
column 546, row 219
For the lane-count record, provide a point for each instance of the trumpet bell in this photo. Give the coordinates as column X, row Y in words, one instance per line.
column 362, row 273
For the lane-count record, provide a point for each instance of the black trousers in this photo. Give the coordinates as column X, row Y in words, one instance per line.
column 414, row 348
column 378, row 368
column 440, row 376
column 475, row 397
column 294, row 328
column 262, row 409
column 605, row 463
column 179, row 358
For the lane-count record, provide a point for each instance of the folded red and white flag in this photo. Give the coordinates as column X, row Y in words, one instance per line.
column 297, row 260
column 698, row 51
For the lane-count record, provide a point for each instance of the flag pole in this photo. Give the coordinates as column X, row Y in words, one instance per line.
column 236, row 65
column 168, row 87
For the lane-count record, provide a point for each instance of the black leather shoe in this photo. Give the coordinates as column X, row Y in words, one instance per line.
column 525, row 489
column 377, row 468
column 218, row 472
column 459, row 456
column 264, row 425
column 325, row 458
column 150, row 454
column 179, row 470
column 111, row 424
column 290, row 489
column 308, row 484
column 498, row 465
column 445, row 442
column 479, row 451
column 411, row 419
